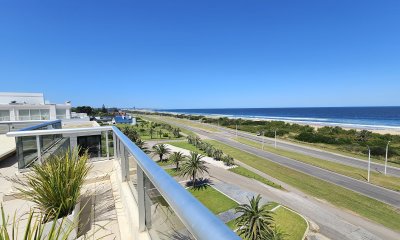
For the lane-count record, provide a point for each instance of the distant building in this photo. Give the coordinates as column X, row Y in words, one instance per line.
column 30, row 106
column 123, row 120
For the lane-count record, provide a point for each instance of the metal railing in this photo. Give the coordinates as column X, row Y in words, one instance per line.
column 166, row 209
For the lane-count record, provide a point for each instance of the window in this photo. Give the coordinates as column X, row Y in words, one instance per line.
column 44, row 114
column 24, row 115
column 4, row 115
column 34, row 114
column 61, row 113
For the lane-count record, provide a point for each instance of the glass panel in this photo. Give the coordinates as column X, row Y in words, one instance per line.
column 132, row 176
column 4, row 115
column 23, row 115
column 58, row 145
column 161, row 219
column 35, row 114
column 61, row 113
column 44, row 114
column 92, row 144
column 27, row 151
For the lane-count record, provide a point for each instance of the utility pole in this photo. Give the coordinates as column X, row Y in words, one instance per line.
column 369, row 162
column 386, row 158
column 236, row 131
column 262, row 140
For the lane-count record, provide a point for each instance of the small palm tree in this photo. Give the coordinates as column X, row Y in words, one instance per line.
column 255, row 222
column 218, row 154
column 151, row 132
column 193, row 166
column 176, row 158
column 228, row 160
column 142, row 145
column 161, row 150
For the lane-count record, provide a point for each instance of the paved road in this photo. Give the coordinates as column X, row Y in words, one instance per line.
column 372, row 191
column 316, row 153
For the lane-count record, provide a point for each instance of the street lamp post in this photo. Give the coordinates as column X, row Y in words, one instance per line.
column 236, row 131
column 262, row 140
column 275, row 138
column 386, row 157
column 369, row 162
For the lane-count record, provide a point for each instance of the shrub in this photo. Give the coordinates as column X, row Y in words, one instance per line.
column 55, row 185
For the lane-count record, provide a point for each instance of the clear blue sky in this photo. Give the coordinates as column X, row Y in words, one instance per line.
column 203, row 54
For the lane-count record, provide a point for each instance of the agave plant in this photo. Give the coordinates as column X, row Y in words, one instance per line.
column 55, row 185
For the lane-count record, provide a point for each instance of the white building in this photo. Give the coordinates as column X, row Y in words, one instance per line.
column 30, row 106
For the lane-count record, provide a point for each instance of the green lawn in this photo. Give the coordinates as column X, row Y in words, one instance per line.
column 157, row 120
column 389, row 182
column 247, row 173
column 291, row 223
column 172, row 172
column 213, row 199
column 341, row 197
column 185, row 145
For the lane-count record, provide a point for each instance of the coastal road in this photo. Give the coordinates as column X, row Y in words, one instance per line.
column 317, row 153
column 381, row 194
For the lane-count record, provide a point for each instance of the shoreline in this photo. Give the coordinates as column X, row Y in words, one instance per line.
column 394, row 130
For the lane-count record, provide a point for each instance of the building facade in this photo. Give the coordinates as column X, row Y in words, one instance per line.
column 30, row 106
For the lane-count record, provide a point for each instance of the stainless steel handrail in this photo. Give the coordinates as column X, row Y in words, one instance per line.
column 40, row 125
column 200, row 222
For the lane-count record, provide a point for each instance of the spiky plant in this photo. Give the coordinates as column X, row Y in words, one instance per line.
column 161, row 150
column 34, row 228
column 218, row 154
column 193, row 166
column 256, row 221
column 177, row 157
column 55, row 185
column 228, row 160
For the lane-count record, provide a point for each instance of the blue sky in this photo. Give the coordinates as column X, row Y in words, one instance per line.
column 203, row 54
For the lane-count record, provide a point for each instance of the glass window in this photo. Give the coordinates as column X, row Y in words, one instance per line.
column 61, row 113
column 4, row 115
column 44, row 114
column 24, row 115
column 35, row 114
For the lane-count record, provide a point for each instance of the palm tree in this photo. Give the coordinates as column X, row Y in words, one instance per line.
column 151, row 131
column 193, row 166
column 160, row 150
column 160, row 132
column 255, row 222
column 176, row 158
column 142, row 145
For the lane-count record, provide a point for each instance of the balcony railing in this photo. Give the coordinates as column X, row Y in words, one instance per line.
column 166, row 209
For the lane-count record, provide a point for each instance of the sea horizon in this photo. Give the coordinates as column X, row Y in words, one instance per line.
column 374, row 117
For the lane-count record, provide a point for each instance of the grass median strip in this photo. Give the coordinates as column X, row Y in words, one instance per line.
column 389, row 182
column 339, row 196
column 249, row 174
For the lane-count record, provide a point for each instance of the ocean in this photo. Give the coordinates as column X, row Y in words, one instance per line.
column 362, row 117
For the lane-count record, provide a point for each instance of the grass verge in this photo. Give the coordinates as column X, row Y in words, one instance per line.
column 291, row 223
column 389, row 182
column 249, row 174
column 212, row 199
column 367, row 207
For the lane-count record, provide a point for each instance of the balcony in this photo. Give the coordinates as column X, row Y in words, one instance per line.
column 154, row 205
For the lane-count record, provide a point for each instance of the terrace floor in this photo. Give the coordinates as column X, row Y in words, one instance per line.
column 99, row 201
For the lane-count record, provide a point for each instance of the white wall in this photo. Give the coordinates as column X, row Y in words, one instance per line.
column 28, row 98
